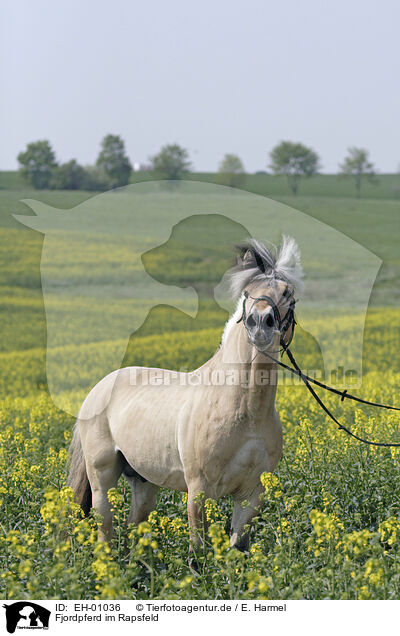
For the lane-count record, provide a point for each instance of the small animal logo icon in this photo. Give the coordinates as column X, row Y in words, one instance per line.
column 26, row 615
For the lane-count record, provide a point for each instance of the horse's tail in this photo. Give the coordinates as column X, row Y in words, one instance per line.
column 77, row 477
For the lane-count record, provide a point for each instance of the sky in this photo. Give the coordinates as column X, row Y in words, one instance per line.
column 215, row 76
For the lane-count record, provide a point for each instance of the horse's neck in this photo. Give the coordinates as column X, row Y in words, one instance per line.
column 258, row 376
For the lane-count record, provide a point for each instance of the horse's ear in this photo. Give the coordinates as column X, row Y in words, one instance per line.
column 249, row 258
column 242, row 256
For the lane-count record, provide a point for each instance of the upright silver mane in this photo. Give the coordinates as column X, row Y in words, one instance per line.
column 260, row 262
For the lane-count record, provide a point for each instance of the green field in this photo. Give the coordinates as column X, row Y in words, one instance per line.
column 332, row 185
column 329, row 527
column 387, row 186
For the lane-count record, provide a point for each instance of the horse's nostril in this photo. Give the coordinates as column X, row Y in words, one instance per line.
column 269, row 321
column 250, row 321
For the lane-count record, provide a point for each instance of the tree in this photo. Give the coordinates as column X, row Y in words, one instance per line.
column 37, row 163
column 113, row 160
column 95, row 179
column 231, row 171
column 295, row 160
column 172, row 162
column 357, row 165
column 68, row 176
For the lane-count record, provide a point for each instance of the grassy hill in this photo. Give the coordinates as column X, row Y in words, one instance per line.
column 329, row 185
column 322, row 185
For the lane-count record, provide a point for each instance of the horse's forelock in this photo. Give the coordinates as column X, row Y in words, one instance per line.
column 258, row 263
column 288, row 264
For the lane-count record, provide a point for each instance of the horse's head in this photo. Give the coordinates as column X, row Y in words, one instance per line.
column 266, row 281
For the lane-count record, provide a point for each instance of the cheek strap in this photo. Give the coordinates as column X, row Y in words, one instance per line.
column 243, row 316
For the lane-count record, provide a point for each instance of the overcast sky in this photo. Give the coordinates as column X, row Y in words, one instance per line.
column 215, row 76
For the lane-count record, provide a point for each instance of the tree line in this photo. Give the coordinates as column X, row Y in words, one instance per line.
column 113, row 169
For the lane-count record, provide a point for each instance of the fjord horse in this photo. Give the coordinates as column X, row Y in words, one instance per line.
column 214, row 430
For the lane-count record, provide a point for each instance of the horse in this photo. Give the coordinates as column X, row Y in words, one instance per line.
column 210, row 432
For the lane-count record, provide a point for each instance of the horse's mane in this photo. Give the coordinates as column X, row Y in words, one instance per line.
column 258, row 262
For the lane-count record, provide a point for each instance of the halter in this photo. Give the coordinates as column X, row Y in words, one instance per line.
column 283, row 323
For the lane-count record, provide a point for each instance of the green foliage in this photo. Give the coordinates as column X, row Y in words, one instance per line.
column 68, row 176
column 231, row 172
column 95, row 179
column 358, row 166
column 295, row 161
column 39, row 167
column 113, row 161
column 37, row 164
column 172, row 162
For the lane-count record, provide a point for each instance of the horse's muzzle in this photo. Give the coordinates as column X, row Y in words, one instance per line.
column 261, row 328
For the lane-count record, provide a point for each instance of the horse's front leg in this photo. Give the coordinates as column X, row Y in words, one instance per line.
column 242, row 516
column 197, row 518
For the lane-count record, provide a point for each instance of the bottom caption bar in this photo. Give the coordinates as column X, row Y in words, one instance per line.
column 95, row 617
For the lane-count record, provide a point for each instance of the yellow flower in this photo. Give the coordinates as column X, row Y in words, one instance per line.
column 364, row 593
column 270, row 482
column 212, row 510
column 186, row 582
column 390, row 530
column 144, row 527
column 373, row 571
column 219, row 540
column 327, row 528
column 264, row 584
column 24, row 568
column 115, row 498
column 356, row 543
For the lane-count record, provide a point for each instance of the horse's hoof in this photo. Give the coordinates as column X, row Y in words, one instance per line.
column 241, row 548
column 242, row 544
column 194, row 564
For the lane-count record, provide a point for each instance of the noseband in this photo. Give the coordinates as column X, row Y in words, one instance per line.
column 283, row 323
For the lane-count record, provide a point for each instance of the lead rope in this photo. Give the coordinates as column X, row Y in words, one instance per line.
column 307, row 380
column 284, row 325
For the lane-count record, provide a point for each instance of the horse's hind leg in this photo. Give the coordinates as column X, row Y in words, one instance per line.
column 144, row 499
column 104, row 467
column 101, row 480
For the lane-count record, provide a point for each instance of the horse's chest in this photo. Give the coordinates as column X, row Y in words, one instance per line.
column 239, row 469
column 234, row 453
